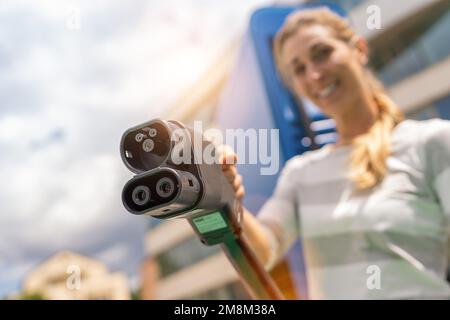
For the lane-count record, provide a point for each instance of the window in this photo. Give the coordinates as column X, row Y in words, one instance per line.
column 431, row 47
column 232, row 291
column 182, row 255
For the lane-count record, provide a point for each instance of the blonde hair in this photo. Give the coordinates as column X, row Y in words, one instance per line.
column 370, row 150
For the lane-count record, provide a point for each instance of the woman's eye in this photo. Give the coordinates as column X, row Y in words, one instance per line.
column 299, row 69
column 322, row 54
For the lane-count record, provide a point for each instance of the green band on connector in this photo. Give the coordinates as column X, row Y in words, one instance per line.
column 210, row 222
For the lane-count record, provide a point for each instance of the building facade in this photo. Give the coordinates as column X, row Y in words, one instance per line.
column 71, row 276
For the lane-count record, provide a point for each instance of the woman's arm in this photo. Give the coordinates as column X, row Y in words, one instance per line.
column 257, row 236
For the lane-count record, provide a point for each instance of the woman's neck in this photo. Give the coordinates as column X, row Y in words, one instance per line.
column 358, row 122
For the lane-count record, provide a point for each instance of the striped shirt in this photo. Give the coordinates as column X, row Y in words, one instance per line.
column 387, row 243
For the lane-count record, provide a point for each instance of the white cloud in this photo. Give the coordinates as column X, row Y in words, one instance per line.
column 67, row 96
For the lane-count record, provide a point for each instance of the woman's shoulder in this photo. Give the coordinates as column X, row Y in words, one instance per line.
column 410, row 124
column 429, row 139
column 307, row 158
column 423, row 131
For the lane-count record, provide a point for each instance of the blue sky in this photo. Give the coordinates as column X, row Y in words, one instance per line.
column 67, row 92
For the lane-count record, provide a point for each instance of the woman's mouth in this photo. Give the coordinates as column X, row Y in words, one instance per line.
column 328, row 90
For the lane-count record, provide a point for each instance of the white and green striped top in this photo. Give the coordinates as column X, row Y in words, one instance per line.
column 387, row 243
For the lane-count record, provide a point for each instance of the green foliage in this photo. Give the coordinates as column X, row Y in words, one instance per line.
column 136, row 295
column 31, row 296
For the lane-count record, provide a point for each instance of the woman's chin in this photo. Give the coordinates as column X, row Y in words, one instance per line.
column 333, row 109
column 332, row 105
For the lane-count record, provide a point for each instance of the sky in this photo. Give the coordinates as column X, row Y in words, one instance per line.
column 74, row 76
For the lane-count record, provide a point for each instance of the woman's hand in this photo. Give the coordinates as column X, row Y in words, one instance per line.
column 228, row 159
column 253, row 230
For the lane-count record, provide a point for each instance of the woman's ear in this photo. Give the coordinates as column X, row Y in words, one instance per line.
column 362, row 49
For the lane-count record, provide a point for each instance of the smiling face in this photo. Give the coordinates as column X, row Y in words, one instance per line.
column 326, row 70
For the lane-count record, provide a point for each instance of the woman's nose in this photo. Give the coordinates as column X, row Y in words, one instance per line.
column 314, row 73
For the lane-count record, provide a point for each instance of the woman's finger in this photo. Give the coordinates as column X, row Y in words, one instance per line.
column 230, row 173
column 237, row 182
column 227, row 156
column 240, row 193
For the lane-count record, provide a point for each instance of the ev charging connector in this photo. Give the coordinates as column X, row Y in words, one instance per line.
column 174, row 180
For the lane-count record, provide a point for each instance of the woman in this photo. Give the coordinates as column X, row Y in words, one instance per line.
column 372, row 210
